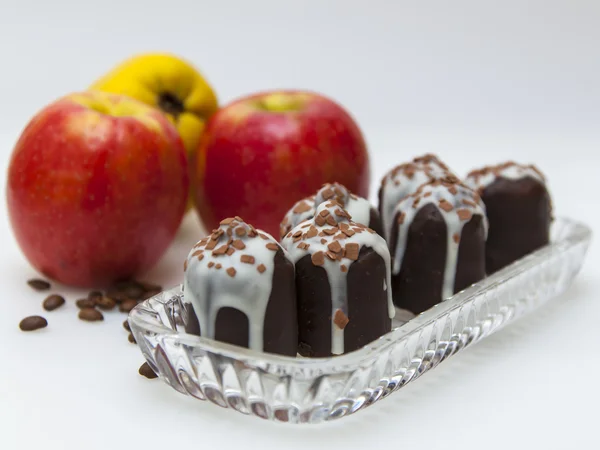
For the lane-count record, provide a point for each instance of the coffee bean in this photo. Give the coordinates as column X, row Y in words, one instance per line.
column 133, row 291
column 127, row 305
column 150, row 294
column 126, row 325
column 90, row 315
column 150, row 286
column 105, row 303
column 95, row 295
column 117, row 296
column 131, row 338
column 52, row 302
column 38, row 284
column 33, row 323
column 85, row 303
column 146, row 371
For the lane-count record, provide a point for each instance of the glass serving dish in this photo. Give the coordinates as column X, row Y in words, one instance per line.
column 307, row 390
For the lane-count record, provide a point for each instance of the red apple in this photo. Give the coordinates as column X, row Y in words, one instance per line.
column 96, row 188
column 262, row 153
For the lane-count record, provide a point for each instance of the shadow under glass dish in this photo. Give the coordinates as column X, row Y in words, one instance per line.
column 312, row 390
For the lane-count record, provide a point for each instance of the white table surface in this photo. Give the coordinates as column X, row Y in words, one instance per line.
column 75, row 385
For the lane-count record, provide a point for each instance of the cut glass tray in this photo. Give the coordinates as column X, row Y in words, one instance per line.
column 312, row 390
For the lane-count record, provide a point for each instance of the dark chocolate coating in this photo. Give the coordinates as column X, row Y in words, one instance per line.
column 281, row 320
column 519, row 214
column 380, row 203
column 375, row 222
column 367, row 301
column 280, row 333
column 418, row 285
column 367, row 305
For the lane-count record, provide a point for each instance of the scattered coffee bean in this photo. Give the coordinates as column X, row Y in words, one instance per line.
column 131, row 338
column 150, row 286
column 90, row 315
column 52, row 302
column 134, row 291
column 105, row 303
column 38, row 284
column 95, row 295
column 126, row 325
column 117, row 296
column 149, row 294
column 127, row 305
column 33, row 323
column 146, row 371
column 85, row 303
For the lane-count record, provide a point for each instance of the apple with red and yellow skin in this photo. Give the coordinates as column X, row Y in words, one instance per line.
column 96, row 188
column 262, row 153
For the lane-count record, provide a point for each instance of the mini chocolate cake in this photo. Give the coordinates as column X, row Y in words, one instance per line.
column 437, row 244
column 343, row 277
column 359, row 208
column 404, row 180
column 518, row 208
column 239, row 283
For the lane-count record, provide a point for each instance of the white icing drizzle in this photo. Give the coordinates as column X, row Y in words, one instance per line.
column 301, row 211
column 404, row 180
column 359, row 208
column 480, row 179
column 456, row 204
column 319, row 237
column 243, row 279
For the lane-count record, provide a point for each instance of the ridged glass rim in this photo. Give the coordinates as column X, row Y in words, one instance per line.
column 581, row 233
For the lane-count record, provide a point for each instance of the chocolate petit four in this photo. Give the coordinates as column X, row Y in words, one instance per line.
column 518, row 209
column 343, row 277
column 404, row 180
column 359, row 208
column 437, row 244
column 239, row 288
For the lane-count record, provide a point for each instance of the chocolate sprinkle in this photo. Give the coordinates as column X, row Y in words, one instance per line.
column 301, row 207
column 248, row 259
column 446, row 205
column 238, row 244
column 464, row 214
column 340, row 319
column 352, row 250
column 261, row 268
column 272, row 246
column 318, row 258
column 334, row 246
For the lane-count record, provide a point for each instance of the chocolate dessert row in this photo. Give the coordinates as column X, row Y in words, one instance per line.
column 330, row 286
column 323, row 291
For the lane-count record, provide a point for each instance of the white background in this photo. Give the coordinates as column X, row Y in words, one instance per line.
column 476, row 82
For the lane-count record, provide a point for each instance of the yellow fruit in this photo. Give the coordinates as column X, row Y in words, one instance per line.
column 170, row 84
